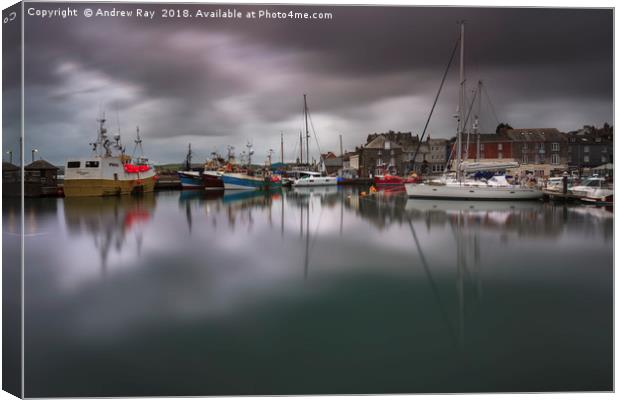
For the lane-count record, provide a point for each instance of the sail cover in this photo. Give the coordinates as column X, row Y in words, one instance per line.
column 487, row 166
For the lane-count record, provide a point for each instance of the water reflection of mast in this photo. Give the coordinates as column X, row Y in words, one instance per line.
column 188, row 215
column 282, row 216
column 462, row 272
column 341, row 205
column 307, row 240
column 431, row 281
column 459, row 280
column 301, row 222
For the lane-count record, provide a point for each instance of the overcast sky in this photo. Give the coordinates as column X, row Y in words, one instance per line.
column 369, row 69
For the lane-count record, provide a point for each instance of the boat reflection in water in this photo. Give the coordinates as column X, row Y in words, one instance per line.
column 252, row 293
column 110, row 221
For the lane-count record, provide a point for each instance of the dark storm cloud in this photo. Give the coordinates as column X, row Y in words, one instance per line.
column 369, row 69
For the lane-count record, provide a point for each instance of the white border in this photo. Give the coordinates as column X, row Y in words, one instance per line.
column 478, row 3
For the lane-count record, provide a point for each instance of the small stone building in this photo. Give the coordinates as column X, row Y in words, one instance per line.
column 40, row 179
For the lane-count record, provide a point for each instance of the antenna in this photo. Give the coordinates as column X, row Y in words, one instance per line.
column 250, row 152
column 118, row 121
column 138, row 143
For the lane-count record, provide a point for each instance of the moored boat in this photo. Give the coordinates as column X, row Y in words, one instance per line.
column 244, row 181
column 189, row 178
column 108, row 171
column 212, row 180
column 309, row 178
column 388, row 180
column 594, row 190
column 472, row 190
column 464, row 186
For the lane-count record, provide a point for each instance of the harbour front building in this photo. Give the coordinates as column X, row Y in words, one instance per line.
column 590, row 148
column 489, row 147
column 540, row 151
column 437, row 156
column 390, row 152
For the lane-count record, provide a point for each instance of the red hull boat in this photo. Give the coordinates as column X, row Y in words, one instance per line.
column 212, row 180
column 393, row 180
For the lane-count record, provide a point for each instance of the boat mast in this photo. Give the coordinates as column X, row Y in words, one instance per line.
column 282, row 147
column 460, row 117
column 301, row 149
column 307, row 133
column 250, row 152
column 188, row 158
column 477, row 123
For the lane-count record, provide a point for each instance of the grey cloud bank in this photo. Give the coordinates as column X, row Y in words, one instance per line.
column 368, row 69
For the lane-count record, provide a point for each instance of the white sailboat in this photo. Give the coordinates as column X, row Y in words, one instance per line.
column 311, row 178
column 462, row 187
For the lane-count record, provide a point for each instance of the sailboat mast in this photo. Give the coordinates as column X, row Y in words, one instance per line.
column 282, row 147
column 307, row 133
column 459, row 140
column 477, row 122
column 301, row 149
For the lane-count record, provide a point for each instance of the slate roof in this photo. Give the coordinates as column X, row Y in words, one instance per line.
column 6, row 166
column 536, row 135
column 379, row 143
column 40, row 165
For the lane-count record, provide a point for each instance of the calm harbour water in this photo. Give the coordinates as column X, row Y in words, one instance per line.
column 313, row 292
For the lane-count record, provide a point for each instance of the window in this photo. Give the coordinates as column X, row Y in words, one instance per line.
column 73, row 164
column 603, row 159
column 500, row 155
column 555, row 159
column 586, row 159
column 524, row 146
column 604, row 150
column 555, row 147
column 481, row 146
column 92, row 164
column 597, row 140
column 500, row 146
column 525, row 161
column 586, row 149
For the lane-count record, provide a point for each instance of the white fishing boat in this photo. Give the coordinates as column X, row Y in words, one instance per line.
column 462, row 186
column 108, row 171
column 310, row 178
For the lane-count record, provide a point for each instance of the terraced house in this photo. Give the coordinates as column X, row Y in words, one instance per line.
column 590, row 148
column 541, row 151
